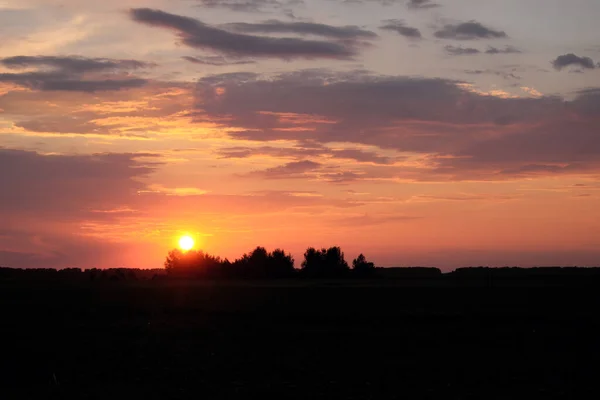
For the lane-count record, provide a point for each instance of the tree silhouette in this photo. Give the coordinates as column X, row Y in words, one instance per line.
column 324, row 263
column 362, row 267
column 262, row 264
column 251, row 265
column 280, row 265
column 192, row 263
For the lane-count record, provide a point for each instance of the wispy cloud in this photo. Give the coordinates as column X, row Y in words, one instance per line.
column 505, row 50
column 422, row 4
column 248, row 5
column 218, row 61
column 461, row 51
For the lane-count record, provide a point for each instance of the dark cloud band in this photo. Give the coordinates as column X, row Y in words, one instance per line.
column 471, row 30
column 196, row 34
column 304, row 28
column 415, row 115
column 73, row 73
column 73, row 64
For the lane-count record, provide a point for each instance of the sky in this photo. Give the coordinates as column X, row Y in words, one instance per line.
column 420, row 132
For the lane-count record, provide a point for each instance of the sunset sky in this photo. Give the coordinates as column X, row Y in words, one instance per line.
column 436, row 133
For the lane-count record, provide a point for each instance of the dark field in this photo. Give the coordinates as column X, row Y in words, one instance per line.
column 297, row 340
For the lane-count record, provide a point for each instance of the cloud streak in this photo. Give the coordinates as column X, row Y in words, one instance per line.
column 218, row 61
column 196, row 34
column 471, row 30
column 401, row 28
column 461, row 51
column 292, row 170
column 421, row 4
column 73, row 74
column 305, row 150
column 73, row 64
column 245, row 5
column 304, row 28
column 505, row 50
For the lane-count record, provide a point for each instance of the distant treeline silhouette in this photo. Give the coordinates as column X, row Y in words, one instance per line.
column 324, row 263
column 78, row 274
column 262, row 264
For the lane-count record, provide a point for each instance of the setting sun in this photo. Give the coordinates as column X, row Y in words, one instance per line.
column 186, row 243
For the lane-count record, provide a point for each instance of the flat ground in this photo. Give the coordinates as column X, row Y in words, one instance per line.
column 297, row 341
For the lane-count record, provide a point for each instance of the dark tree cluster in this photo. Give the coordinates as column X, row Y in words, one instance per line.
column 324, row 263
column 260, row 263
column 263, row 264
column 192, row 263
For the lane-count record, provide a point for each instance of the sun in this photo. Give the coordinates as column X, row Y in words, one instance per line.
column 186, row 243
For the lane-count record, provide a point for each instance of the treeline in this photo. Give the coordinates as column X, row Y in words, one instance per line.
column 539, row 276
column 262, row 264
column 327, row 263
column 78, row 275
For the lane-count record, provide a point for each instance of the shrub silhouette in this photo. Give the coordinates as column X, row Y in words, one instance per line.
column 324, row 263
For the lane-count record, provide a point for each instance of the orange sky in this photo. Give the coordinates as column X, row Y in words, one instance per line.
column 475, row 142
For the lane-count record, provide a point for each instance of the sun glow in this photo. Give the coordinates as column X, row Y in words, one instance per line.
column 186, row 243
